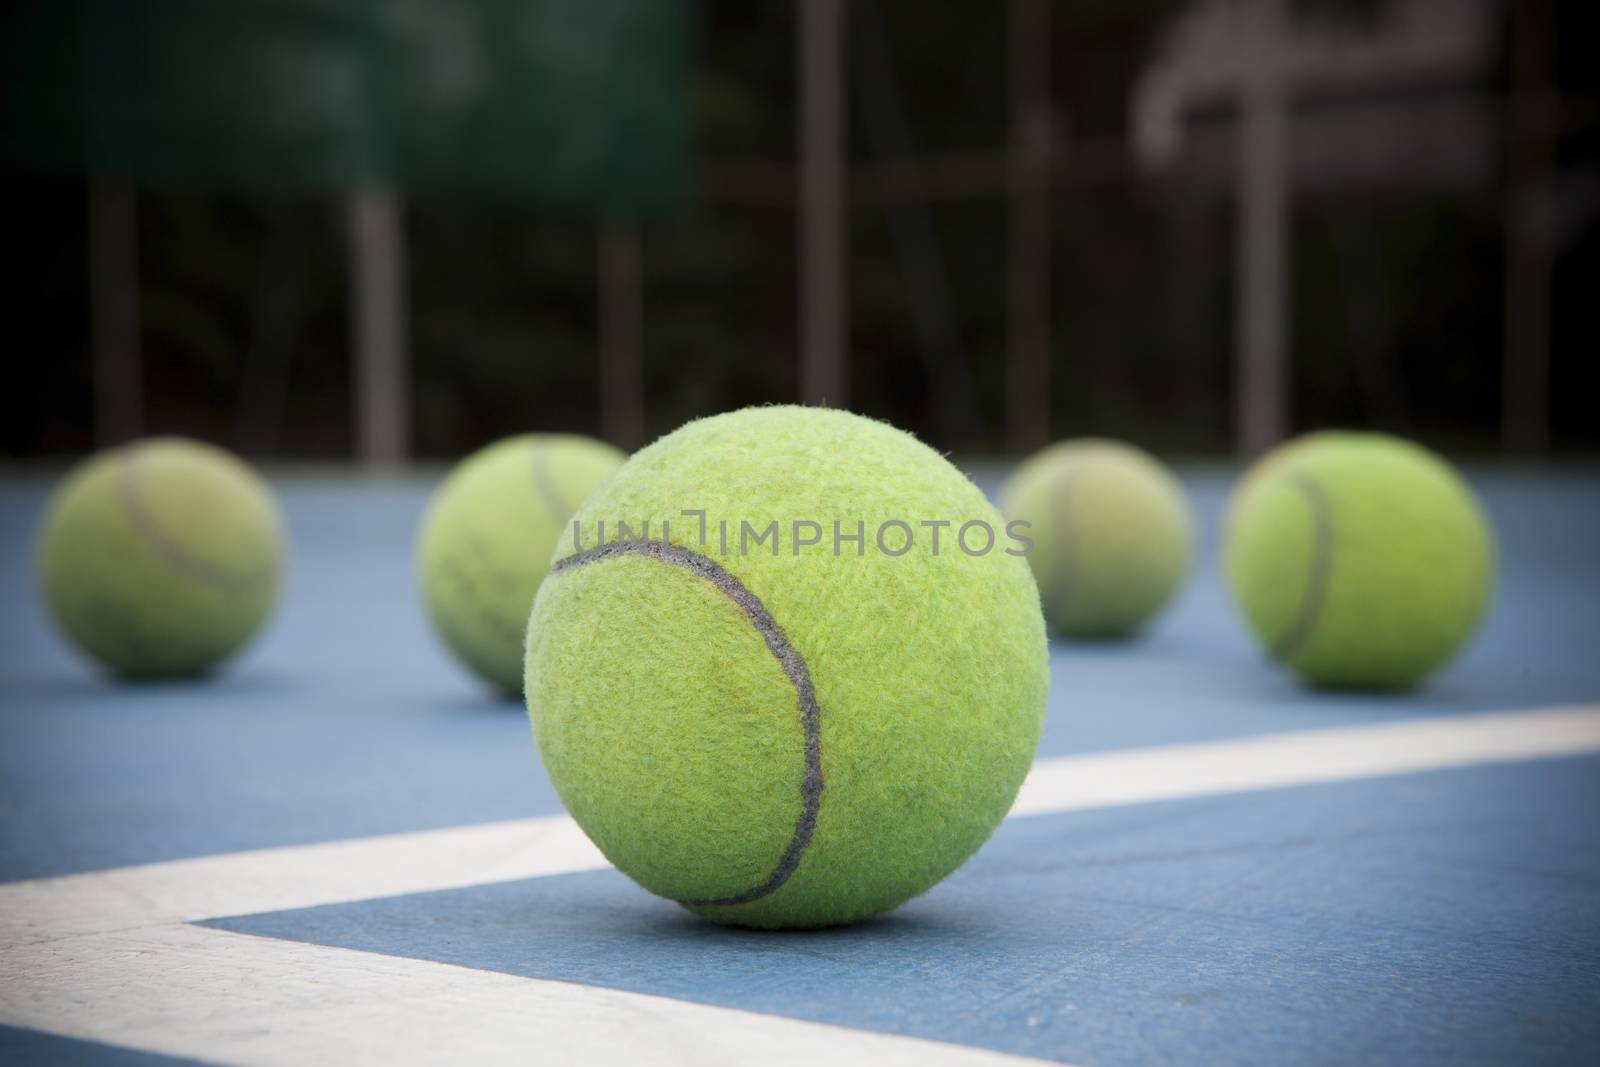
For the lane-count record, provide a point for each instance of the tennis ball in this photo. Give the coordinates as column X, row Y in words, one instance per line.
column 161, row 558
column 763, row 692
column 1358, row 559
column 1111, row 534
column 487, row 537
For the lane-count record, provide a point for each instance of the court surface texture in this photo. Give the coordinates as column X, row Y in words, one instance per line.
column 342, row 850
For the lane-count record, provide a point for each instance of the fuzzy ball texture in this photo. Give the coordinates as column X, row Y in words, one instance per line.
column 161, row 558
column 1358, row 559
column 797, row 730
column 1111, row 530
column 487, row 538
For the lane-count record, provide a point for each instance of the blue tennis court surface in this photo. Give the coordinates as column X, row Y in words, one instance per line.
column 1446, row 915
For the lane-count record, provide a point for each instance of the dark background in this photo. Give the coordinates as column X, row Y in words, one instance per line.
column 244, row 298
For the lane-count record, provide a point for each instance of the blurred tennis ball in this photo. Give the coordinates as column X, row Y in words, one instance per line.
column 161, row 558
column 798, row 730
column 1111, row 532
column 487, row 538
column 1358, row 559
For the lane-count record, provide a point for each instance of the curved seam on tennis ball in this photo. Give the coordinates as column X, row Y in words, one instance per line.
column 1063, row 582
column 546, row 485
column 1295, row 638
column 788, row 657
column 169, row 550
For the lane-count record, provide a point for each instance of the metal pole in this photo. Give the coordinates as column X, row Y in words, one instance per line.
column 378, row 323
column 935, row 314
column 1028, row 218
column 114, row 310
column 1260, row 378
column 1526, row 370
column 824, row 371
column 621, row 349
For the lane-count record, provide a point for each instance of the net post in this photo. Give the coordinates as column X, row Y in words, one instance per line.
column 378, row 324
column 1261, row 287
column 621, row 332
column 113, row 226
column 824, row 372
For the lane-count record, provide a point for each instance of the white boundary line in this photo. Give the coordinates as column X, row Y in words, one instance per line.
column 230, row 998
column 1273, row 761
column 111, row 956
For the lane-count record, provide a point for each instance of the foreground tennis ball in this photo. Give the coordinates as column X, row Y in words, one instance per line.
column 1358, row 559
column 1111, row 532
column 769, row 697
column 487, row 537
column 161, row 558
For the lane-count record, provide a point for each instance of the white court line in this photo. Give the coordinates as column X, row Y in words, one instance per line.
column 231, row 998
column 1139, row 776
column 108, row 955
column 300, row 876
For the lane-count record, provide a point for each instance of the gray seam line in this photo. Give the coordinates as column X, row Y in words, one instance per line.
column 1321, row 569
column 230, row 582
column 546, row 485
column 1063, row 580
column 794, row 666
